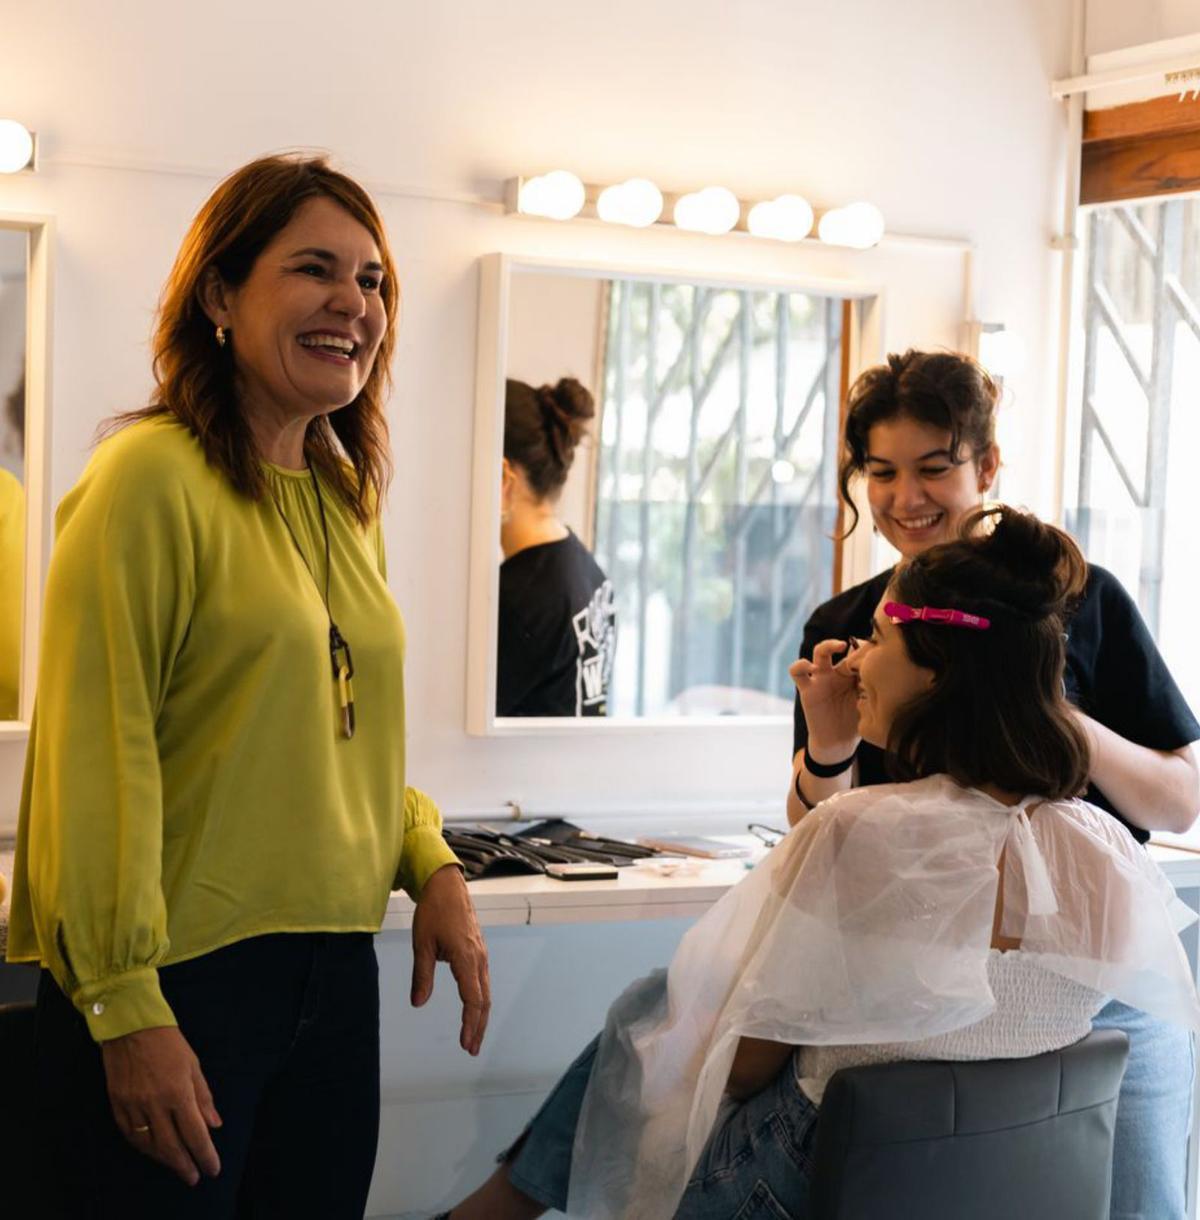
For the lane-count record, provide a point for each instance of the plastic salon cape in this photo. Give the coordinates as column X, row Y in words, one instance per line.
column 870, row 922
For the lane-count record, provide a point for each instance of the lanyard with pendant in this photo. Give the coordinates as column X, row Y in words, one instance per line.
column 339, row 649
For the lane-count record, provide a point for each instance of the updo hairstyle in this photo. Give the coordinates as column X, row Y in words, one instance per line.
column 997, row 712
column 542, row 427
column 945, row 390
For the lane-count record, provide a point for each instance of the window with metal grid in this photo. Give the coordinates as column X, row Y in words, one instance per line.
column 716, row 490
column 1139, row 422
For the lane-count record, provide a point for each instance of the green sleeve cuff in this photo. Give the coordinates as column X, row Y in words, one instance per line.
column 123, row 1004
column 424, row 852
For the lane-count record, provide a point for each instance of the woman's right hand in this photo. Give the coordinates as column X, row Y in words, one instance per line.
column 161, row 1100
column 829, row 697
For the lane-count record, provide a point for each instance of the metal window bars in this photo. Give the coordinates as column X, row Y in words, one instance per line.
column 706, row 392
column 1138, row 261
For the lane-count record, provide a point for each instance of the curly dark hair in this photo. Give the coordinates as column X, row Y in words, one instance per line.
column 996, row 712
column 946, row 390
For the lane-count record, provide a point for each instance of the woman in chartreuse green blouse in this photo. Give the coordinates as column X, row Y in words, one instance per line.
column 215, row 808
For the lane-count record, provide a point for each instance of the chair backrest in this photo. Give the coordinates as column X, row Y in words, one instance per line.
column 992, row 1140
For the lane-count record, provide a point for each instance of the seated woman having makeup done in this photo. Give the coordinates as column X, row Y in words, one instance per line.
column 953, row 915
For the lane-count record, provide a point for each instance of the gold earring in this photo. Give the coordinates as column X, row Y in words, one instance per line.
column 220, row 336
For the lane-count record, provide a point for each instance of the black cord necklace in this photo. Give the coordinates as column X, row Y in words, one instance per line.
column 339, row 650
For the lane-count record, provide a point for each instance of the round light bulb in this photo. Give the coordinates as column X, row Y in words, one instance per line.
column 637, row 202
column 782, row 471
column 713, row 210
column 787, row 218
column 558, row 195
column 857, row 225
column 16, row 146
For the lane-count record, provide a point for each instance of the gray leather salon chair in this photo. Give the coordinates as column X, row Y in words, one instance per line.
column 1003, row 1139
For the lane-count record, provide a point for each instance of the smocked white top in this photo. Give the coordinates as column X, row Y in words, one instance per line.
column 1036, row 1011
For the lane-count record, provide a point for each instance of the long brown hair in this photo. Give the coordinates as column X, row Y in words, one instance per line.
column 946, row 390
column 194, row 377
column 996, row 712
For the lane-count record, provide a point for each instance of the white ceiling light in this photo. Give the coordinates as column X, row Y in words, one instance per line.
column 788, row 218
column 857, row 225
column 637, row 202
column 782, row 471
column 558, row 195
column 16, row 146
column 713, row 210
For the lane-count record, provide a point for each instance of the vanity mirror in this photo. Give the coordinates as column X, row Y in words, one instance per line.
column 655, row 492
column 24, row 364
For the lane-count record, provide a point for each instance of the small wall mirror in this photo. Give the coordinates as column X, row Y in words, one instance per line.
column 656, row 493
column 24, row 364
column 13, row 306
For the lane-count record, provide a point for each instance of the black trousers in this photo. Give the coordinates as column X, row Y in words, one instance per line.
column 286, row 1028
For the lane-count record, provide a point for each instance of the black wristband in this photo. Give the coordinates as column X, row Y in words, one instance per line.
column 800, row 791
column 827, row 770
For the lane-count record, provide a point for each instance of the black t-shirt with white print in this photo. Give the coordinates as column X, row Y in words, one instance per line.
column 557, row 632
column 1114, row 673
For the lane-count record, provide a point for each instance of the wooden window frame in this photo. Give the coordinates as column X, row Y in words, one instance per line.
column 1141, row 150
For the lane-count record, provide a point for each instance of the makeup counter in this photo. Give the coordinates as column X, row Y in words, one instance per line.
column 560, row 952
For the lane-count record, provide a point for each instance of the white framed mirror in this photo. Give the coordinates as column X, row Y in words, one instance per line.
column 654, row 491
column 25, row 312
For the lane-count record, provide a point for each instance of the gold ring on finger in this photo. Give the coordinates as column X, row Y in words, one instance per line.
column 141, row 1130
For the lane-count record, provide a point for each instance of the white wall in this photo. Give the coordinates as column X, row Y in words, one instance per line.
column 1115, row 24
column 938, row 110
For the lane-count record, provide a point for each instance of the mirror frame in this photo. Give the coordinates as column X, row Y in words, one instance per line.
column 863, row 343
column 39, row 281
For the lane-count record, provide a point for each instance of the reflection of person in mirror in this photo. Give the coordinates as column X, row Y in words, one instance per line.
column 213, row 814
column 920, row 432
column 949, row 916
column 12, row 563
column 557, row 622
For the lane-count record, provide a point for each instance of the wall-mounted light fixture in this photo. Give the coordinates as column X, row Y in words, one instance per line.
column 558, row 195
column 637, row 202
column 857, row 225
column 561, row 195
column 18, row 147
column 787, row 218
column 714, row 210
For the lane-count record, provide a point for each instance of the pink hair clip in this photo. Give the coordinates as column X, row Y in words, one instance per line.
column 898, row 612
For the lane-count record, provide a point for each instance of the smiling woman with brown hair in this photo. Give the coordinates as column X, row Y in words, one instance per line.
column 215, row 806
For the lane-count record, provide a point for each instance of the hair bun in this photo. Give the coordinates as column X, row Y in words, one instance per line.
column 567, row 407
column 571, row 405
column 1044, row 570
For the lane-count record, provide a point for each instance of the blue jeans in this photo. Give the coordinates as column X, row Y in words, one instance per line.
column 1153, row 1116
column 286, row 1028
column 757, row 1162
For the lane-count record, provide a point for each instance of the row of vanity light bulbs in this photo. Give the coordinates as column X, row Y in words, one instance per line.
column 560, row 195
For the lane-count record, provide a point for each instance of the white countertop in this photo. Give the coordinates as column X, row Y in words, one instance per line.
column 638, row 893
